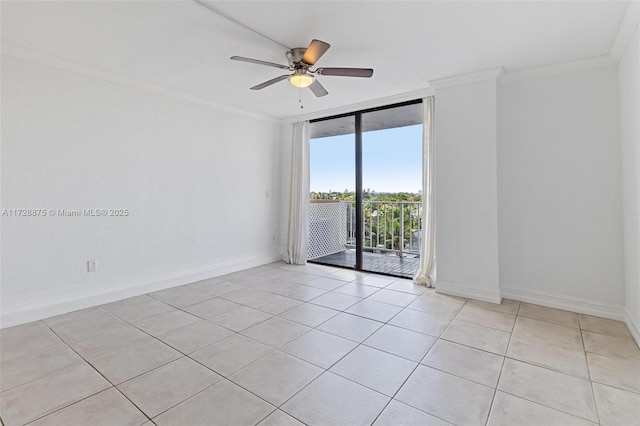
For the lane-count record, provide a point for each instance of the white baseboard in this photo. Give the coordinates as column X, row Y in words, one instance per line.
column 453, row 289
column 544, row 299
column 634, row 327
column 566, row 303
column 33, row 307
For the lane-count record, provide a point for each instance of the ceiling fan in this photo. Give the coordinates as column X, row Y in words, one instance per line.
column 300, row 62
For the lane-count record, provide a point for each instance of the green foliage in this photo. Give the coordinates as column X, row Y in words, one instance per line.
column 367, row 195
column 390, row 226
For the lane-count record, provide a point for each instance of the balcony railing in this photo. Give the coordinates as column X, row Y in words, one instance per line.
column 390, row 227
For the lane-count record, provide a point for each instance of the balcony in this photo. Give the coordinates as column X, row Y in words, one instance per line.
column 392, row 233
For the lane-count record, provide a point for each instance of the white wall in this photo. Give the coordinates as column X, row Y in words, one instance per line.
column 560, row 230
column 629, row 96
column 466, row 191
column 201, row 185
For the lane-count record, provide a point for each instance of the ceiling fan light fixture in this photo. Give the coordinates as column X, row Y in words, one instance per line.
column 301, row 80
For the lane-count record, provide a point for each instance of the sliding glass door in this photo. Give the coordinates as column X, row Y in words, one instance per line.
column 373, row 223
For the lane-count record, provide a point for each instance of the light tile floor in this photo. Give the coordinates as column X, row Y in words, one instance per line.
column 291, row 345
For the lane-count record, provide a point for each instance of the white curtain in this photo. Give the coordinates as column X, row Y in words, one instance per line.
column 425, row 274
column 298, row 237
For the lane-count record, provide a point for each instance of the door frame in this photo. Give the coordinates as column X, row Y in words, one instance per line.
column 358, row 166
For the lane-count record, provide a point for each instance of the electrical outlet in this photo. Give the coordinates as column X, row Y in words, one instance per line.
column 92, row 265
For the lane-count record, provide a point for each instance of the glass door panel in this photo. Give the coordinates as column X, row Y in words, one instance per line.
column 392, row 183
column 332, row 217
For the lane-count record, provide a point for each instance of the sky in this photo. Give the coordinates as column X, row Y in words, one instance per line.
column 391, row 161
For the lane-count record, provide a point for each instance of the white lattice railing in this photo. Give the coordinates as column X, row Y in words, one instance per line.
column 327, row 228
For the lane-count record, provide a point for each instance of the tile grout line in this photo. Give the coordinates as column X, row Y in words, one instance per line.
column 586, row 362
column 414, row 370
column 549, row 369
column 255, row 361
column 97, row 371
column 223, row 378
column 358, row 345
column 209, row 368
column 504, row 360
column 49, row 374
column 327, row 370
column 78, row 401
column 159, row 366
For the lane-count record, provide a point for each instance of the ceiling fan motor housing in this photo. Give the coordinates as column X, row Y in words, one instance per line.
column 294, row 56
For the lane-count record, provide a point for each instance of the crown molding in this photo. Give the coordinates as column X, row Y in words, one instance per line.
column 15, row 51
column 579, row 65
column 461, row 80
column 389, row 100
column 625, row 31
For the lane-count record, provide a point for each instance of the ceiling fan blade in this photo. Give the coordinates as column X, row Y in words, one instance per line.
column 346, row 72
column 318, row 89
column 259, row 62
column 270, row 82
column 315, row 50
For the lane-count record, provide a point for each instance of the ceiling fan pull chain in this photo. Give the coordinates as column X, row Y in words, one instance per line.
column 300, row 98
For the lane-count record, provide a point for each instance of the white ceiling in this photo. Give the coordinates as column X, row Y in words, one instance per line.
column 185, row 47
